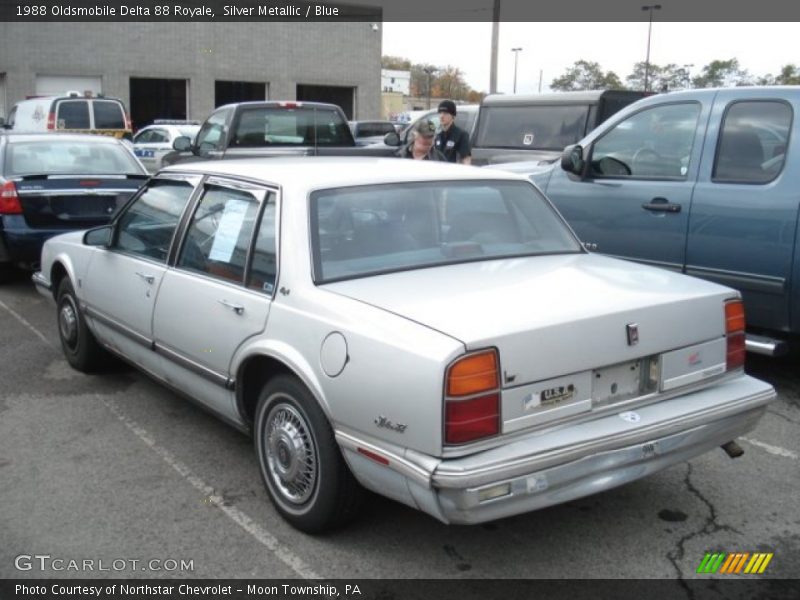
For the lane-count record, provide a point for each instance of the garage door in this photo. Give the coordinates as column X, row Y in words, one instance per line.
column 50, row 85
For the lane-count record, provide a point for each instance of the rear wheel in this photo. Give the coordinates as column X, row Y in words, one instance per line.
column 304, row 472
column 79, row 344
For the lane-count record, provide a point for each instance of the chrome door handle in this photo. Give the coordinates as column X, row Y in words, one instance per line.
column 237, row 308
column 148, row 278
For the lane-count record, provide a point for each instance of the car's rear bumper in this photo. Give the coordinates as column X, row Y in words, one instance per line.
column 22, row 244
column 571, row 461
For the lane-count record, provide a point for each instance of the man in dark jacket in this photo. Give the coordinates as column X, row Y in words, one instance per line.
column 452, row 141
column 421, row 146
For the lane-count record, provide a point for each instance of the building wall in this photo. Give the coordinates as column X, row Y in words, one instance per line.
column 282, row 55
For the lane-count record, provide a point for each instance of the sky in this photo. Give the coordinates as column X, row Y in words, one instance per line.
column 551, row 48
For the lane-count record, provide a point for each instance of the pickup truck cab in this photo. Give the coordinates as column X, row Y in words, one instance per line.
column 706, row 182
column 273, row 128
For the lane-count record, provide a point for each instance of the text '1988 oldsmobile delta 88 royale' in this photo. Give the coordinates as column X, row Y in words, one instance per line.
column 434, row 333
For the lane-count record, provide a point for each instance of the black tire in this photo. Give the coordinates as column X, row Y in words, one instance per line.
column 303, row 470
column 79, row 344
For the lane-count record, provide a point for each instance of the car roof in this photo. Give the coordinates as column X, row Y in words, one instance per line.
column 324, row 172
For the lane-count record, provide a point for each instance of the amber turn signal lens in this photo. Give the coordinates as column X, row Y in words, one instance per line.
column 734, row 316
column 473, row 374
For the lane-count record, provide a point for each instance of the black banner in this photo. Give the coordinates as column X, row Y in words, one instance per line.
column 733, row 588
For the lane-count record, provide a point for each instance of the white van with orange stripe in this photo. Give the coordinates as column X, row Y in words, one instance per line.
column 73, row 112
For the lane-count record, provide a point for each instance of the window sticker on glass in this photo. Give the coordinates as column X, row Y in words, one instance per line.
column 230, row 225
column 528, row 139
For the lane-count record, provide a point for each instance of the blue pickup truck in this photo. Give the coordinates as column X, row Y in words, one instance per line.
column 706, row 182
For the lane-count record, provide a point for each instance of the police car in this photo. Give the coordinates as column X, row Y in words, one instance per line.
column 153, row 142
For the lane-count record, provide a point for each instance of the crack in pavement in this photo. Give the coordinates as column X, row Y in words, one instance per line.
column 709, row 526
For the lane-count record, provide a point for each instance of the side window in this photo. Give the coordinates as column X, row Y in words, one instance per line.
column 264, row 266
column 147, row 226
column 753, row 141
column 72, row 114
column 158, row 136
column 655, row 142
column 212, row 131
column 144, row 137
column 219, row 236
column 108, row 115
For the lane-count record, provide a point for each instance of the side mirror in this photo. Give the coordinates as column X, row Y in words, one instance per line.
column 99, row 236
column 182, row 144
column 572, row 159
column 391, row 139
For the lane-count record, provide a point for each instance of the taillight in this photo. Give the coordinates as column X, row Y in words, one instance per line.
column 9, row 201
column 472, row 398
column 128, row 123
column 734, row 333
column 51, row 120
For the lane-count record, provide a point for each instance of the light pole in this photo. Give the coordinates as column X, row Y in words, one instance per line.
column 429, row 71
column 516, row 52
column 650, row 8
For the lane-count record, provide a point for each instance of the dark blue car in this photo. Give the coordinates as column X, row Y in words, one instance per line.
column 51, row 183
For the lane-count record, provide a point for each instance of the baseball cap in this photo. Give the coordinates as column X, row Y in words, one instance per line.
column 425, row 128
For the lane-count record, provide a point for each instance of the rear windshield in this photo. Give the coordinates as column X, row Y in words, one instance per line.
column 108, row 115
column 532, row 127
column 73, row 114
column 67, row 157
column 374, row 129
column 367, row 230
column 279, row 126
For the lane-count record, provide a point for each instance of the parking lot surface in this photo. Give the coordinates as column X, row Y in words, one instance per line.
column 114, row 467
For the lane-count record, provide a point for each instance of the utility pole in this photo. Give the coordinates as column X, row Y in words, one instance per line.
column 516, row 52
column 495, row 36
column 650, row 8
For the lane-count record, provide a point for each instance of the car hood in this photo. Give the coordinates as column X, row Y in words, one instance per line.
column 552, row 314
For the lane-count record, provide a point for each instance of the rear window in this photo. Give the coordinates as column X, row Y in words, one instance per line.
column 108, row 115
column 65, row 157
column 374, row 129
column 258, row 127
column 368, row 230
column 532, row 127
column 73, row 114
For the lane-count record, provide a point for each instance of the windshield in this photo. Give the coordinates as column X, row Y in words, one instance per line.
column 69, row 157
column 367, row 230
column 280, row 126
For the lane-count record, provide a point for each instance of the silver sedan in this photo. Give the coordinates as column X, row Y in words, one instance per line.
column 431, row 332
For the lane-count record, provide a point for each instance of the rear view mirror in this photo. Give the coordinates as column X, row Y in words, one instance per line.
column 572, row 159
column 391, row 139
column 182, row 144
column 99, row 236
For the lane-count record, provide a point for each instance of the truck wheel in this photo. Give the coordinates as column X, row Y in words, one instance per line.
column 79, row 344
column 304, row 472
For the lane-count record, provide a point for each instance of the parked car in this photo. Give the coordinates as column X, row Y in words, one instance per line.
column 72, row 112
column 270, row 129
column 704, row 182
column 432, row 332
column 537, row 127
column 52, row 183
column 370, row 132
column 152, row 143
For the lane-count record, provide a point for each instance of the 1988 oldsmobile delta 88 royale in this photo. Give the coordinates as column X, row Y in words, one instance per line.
column 432, row 332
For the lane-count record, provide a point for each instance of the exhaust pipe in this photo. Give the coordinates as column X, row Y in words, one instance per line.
column 732, row 449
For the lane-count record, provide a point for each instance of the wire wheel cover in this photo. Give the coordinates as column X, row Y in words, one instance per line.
column 291, row 453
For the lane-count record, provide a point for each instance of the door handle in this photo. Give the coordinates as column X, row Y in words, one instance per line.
column 148, row 278
column 237, row 308
column 662, row 205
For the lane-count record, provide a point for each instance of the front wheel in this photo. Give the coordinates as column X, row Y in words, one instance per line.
column 304, row 472
column 79, row 344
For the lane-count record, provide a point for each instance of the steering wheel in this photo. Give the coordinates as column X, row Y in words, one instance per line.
column 645, row 157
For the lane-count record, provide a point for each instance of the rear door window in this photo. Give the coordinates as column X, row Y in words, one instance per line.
column 73, row 114
column 108, row 115
column 753, row 142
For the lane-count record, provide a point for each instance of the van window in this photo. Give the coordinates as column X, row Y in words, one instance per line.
column 108, row 115
column 655, row 142
column 753, row 141
column 532, row 127
column 72, row 114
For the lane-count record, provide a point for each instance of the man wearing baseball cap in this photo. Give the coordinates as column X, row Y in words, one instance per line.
column 452, row 141
column 421, row 146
